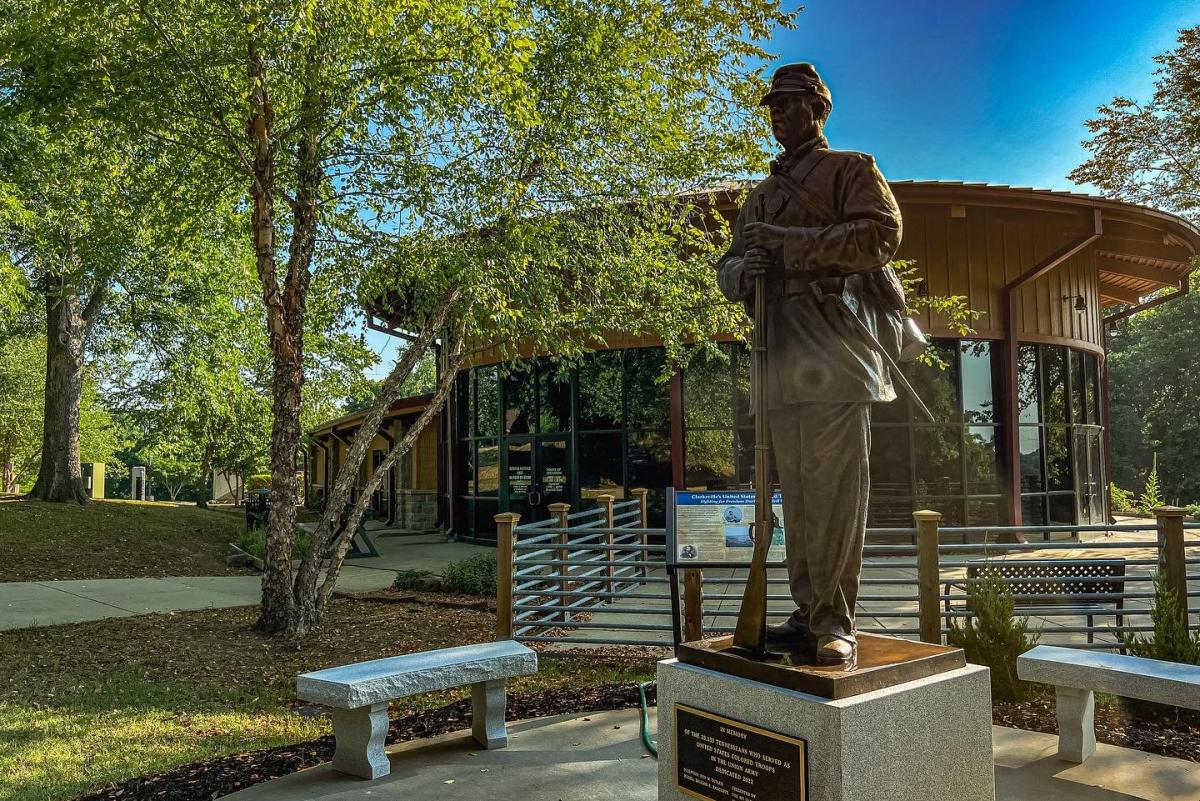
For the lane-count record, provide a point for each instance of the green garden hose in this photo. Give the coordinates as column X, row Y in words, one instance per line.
column 651, row 745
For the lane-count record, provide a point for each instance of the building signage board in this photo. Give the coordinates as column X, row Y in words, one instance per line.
column 715, row 526
column 520, row 477
column 721, row 759
column 553, row 479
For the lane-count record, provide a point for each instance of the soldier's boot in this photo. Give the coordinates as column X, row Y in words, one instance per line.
column 838, row 650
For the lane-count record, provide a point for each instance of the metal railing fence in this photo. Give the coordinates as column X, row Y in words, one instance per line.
column 601, row 577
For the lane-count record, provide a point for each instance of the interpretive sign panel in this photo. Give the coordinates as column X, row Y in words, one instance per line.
column 715, row 526
column 720, row 759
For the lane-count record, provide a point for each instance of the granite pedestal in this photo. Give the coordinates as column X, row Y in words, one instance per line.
column 923, row 740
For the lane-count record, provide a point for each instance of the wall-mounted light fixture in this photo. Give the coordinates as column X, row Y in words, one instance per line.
column 1080, row 303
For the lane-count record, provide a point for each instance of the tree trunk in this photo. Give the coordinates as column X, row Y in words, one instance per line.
column 60, row 477
column 8, row 478
column 206, row 463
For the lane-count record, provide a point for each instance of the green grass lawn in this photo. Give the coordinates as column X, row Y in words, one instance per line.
column 113, row 539
column 85, row 705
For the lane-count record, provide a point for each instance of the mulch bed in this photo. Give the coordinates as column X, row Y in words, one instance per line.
column 1144, row 727
column 213, row 778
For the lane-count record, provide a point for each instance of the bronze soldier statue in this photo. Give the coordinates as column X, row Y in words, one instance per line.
column 822, row 229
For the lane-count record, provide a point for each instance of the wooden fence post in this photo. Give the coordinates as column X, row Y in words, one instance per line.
column 560, row 510
column 1171, row 555
column 506, row 540
column 641, row 493
column 928, row 576
column 606, row 503
column 693, row 605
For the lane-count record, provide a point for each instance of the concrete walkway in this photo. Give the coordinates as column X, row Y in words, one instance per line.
column 599, row 757
column 24, row 604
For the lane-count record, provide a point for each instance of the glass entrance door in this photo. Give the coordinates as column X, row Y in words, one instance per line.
column 537, row 473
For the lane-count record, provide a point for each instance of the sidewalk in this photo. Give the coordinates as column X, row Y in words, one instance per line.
column 25, row 604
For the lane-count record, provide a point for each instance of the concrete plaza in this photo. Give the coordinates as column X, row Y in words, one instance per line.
column 600, row 757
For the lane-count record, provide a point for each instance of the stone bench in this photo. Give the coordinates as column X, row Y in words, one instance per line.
column 359, row 695
column 1077, row 674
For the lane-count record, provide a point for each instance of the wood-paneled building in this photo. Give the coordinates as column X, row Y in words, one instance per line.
column 1021, row 406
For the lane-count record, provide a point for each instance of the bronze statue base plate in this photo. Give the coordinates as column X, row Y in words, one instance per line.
column 882, row 662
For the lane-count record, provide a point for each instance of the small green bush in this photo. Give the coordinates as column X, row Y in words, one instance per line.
column 475, row 575
column 1151, row 497
column 994, row 637
column 258, row 481
column 1122, row 500
column 254, row 542
column 1171, row 641
column 409, row 580
column 1193, row 510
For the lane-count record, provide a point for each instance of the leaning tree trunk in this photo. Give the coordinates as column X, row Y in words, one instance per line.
column 60, row 477
column 206, row 463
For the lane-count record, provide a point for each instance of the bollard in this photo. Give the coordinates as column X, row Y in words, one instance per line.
column 693, row 604
column 928, row 575
column 506, row 540
column 1171, row 562
column 560, row 510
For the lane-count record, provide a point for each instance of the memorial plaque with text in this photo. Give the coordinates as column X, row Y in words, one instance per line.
column 719, row 759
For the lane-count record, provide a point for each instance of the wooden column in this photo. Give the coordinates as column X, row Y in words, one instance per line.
column 606, row 503
column 560, row 510
column 693, row 605
column 506, row 540
column 677, row 449
column 1171, row 561
column 928, row 575
column 641, row 494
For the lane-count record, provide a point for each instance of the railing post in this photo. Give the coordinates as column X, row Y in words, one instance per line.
column 560, row 510
column 693, row 604
column 928, row 575
column 606, row 503
column 1170, row 554
column 506, row 540
column 641, row 493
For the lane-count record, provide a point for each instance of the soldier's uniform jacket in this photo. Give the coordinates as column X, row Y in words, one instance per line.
column 813, row 352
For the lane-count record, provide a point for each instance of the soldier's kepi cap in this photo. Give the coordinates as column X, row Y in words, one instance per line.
column 799, row 78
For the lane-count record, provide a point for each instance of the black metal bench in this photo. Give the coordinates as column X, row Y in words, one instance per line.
column 1051, row 585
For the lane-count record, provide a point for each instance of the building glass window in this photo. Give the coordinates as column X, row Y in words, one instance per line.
column 608, row 418
column 1061, row 473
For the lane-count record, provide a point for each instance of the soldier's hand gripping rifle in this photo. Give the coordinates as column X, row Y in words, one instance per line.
column 751, row 632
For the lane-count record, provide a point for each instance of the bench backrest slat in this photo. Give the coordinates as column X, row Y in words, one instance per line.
column 1049, row 582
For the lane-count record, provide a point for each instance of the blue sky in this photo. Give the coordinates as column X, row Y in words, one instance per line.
column 973, row 90
column 979, row 90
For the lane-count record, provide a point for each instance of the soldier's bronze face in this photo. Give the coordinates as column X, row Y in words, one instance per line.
column 794, row 119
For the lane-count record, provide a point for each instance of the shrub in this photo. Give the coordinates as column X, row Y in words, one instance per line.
column 254, row 542
column 994, row 637
column 1151, row 499
column 1193, row 509
column 1171, row 641
column 475, row 575
column 1122, row 500
column 409, row 580
column 258, row 481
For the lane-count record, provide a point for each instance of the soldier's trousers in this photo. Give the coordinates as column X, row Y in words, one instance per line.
column 821, row 452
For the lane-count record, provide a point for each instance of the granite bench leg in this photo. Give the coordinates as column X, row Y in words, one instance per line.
column 1076, row 723
column 488, row 700
column 360, row 735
